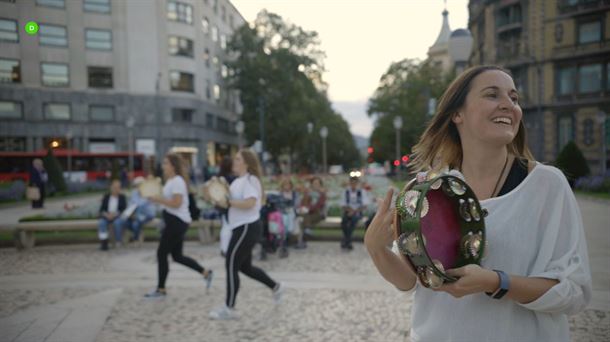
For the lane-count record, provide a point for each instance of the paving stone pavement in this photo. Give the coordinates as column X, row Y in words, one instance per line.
column 331, row 296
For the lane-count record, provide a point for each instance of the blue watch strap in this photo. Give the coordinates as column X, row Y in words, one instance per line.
column 504, row 285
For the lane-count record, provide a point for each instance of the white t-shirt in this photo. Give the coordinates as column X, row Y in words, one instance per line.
column 535, row 230
column 353, row 198
column 113, row 204
column 247, row 186
column 177, row 186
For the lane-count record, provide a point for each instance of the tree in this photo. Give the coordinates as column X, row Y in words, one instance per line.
column 54, row 171
column 572, row 162
column 278, row 74
column 404, row 91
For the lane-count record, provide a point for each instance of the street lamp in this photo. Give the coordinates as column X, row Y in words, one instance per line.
column 310, row 158
column 397, row 127
column 239, row 128
column 130, row 123
column 601, row 118
column 324, row 134
column 69, row 145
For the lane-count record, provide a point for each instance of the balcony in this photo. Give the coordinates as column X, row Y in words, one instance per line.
column 578, row 7
column 581, row 50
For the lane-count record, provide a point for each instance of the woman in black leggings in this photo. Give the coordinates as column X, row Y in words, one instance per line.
column 246, row 193
column 176, row 217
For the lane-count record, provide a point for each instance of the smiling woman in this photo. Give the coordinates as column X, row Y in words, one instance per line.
column 537, row 269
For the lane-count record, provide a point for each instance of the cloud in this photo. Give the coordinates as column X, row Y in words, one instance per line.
column 354, row 112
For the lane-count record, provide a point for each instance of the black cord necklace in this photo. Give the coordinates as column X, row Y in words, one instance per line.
column 499, row 177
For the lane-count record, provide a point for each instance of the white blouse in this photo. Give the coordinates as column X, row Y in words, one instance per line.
column 535, row 230
column 247, row 186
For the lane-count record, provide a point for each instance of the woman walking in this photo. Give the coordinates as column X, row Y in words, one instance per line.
column 176, row 216
column 246, row 195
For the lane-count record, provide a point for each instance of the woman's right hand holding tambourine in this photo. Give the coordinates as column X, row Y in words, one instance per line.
column 380, row 234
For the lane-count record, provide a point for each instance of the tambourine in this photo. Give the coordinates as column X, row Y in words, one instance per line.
column 150, row 187
column 216, row 191
column 439, row 225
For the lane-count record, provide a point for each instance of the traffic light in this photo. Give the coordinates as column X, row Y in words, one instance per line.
column 370, row 149
column 405, row 159
column 396, row 162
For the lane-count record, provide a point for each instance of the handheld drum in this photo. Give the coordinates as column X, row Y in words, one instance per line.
column 439, row 225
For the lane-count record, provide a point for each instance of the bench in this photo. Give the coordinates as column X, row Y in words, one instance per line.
column 25, row 238
column 331, row 222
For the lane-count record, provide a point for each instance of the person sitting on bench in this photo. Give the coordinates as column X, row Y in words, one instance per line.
column 113, row 204
column 354, row 201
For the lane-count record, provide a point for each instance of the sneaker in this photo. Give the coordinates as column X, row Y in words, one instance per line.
column 278, row 292
column 208, row 279
column 155, row 294
column 223, row 313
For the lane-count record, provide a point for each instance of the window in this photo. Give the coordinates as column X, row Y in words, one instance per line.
column 184, row 115
column 101, row 113
column 53, row 35
column 588, row 134
column 208, row 89
column 223, row 41
column 215, row 60
column 181, row 81
column 590, row 78
column 566, row 131
column 216, row 92
column 98, row 39
column 508, row 15
column 10, row 72
column 223, row 10
column 214, row 33
column 566, row 78
column 179, row 46
column 100, row 77
column 205, row 25
column 99, row 6
column 8, row 31
column 589, row 32
column 51, row 3
column 231, row 21
column 206, row 57
column 10, row 144
column 224, row 71
column 57, row 111
column 223, row 125
column 55, row 75
column 181, row 12
column 10, row 110
column 209, row 120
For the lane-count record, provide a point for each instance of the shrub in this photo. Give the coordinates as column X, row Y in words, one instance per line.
column 572, row 162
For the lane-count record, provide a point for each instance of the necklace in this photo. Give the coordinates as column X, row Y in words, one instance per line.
column 499, row 177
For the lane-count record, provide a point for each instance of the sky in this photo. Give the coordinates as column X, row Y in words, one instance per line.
column 361, row 38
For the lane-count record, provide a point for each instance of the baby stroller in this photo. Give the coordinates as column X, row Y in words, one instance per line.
column 274, row 230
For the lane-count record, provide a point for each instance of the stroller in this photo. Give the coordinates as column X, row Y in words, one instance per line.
column 274, row 229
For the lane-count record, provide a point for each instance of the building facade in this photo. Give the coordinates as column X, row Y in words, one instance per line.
column 559, row 54
column 118, row 75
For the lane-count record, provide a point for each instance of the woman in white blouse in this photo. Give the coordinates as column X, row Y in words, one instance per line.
column 246, row 195
column 537, row 268
column 176, row 217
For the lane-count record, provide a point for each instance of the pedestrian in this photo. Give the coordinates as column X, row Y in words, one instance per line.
column 536, row 272
column 313, row 207
column 113, row 204
column 353, row 204
column 246, row 194
column 176, row 217
column 38, row 179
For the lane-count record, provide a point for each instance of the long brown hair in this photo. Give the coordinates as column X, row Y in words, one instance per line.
column 254, row 166
column 440, row 145
column 179, row 166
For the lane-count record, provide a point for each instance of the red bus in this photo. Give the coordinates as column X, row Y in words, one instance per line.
column 85, row 165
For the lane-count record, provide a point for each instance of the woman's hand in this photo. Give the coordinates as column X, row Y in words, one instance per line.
column 471, row 279
column 155, row 199
column 379, row 233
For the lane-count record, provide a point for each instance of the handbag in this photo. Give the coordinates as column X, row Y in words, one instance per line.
column 32, row 193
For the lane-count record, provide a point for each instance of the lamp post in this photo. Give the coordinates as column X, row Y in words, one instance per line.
column 239, row 128
column 397, row 127
column 601, row 118
column 310, row 158
column 130, row 123
column 324, row 134
column 69, row 145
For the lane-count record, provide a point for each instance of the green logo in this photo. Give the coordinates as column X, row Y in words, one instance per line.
column 31, row 28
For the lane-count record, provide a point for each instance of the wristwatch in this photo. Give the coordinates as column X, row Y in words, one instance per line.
column 503, row 288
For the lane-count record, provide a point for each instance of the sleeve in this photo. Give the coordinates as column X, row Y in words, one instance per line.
column 563, row 256
column 252, row 188
column 178, row 187
column 103, row 206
